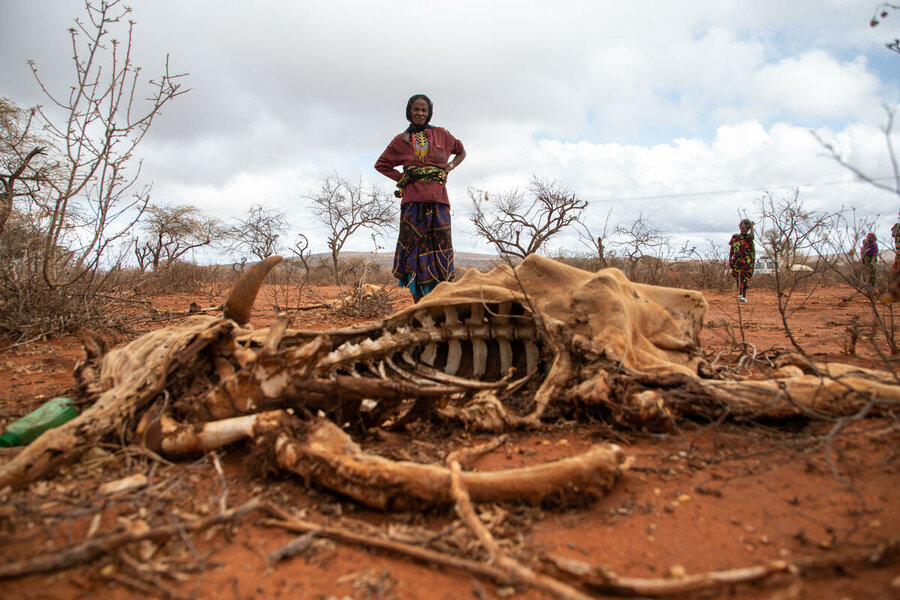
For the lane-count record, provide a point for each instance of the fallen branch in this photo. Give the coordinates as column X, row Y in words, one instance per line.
column 296, row 546
column 88, row 550
column 518, row 572
column 291, row 523
column 147, row 588
column 602, row 580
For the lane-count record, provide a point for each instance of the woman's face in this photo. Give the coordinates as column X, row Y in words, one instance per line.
column 745, row 227
column 419, row 111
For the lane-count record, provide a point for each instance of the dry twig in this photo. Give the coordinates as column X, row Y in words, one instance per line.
column 90, row 549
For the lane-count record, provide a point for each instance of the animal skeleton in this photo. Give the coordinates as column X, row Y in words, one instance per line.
column 494, row 351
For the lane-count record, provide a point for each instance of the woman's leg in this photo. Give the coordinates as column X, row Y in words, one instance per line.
column 424, row 255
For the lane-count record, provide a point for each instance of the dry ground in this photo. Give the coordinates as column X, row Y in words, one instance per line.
column 709, row 496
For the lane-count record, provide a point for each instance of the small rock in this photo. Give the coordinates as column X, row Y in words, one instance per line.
column 677, row 571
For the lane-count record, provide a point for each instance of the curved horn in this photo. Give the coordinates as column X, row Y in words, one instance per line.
column 243, row 294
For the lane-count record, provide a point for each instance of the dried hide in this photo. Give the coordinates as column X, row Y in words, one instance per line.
column 492, row 351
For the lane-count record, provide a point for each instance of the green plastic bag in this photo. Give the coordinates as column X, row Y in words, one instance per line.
column 51, row 414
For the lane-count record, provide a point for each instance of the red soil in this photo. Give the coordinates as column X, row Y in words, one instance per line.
column 706, row 497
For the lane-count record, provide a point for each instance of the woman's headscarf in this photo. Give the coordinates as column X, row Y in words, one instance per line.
column 413, row 128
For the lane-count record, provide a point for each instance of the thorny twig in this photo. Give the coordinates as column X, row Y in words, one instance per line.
column 91, row 549
column 517, row 570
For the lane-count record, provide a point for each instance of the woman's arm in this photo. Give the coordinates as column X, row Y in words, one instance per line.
column 456, row 160
column 390, row 158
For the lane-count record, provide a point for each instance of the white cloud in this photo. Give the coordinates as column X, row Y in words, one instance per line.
column 648, row 108
column 814, row 85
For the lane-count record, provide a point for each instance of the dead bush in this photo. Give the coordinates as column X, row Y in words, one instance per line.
column 585, row 262
column 32, row 309
column 366, row 301
column 182, row 277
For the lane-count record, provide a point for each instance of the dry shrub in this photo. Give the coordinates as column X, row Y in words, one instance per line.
column 29, row 308
column 366, row 302
column 289, row 284
column 186, row 278
column 584, row 262
column 699, row 273
column 354, row 269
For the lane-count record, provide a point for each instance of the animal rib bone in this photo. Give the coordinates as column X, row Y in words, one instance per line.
column 329, row 457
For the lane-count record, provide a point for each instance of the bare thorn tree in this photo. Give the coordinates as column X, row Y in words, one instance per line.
column 645, row 249
column 790, row 234
column 887, row 130
column 292, row 278
column 257, row 233
column 71, row 181
column 345, row 207
column 172, row 232
column 596, row 240
column 518, row 224
column 840, row 252
column 96, row 124
column 20, row 150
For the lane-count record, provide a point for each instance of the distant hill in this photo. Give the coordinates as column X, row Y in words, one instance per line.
column 463, row 260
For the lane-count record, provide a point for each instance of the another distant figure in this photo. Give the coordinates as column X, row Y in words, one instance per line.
column 424, row 255
column 869, row 256
column 741, row 256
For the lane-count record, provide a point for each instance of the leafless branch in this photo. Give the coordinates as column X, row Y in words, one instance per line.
column 345, row 207
column 519, row 225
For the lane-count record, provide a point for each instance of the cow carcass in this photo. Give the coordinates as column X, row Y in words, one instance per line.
column 492, row 351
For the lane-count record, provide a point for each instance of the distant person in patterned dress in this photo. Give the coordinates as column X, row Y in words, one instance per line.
column 424, row 254
column 742, row 256
column 869, row 257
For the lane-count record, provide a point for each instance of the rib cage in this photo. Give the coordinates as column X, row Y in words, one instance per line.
column 453, row 343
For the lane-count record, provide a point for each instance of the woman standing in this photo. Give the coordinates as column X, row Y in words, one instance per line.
column 741, row 256
column 424, row 255
column 869, row 255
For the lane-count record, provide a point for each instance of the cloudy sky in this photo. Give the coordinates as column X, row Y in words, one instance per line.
column 683, row 112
